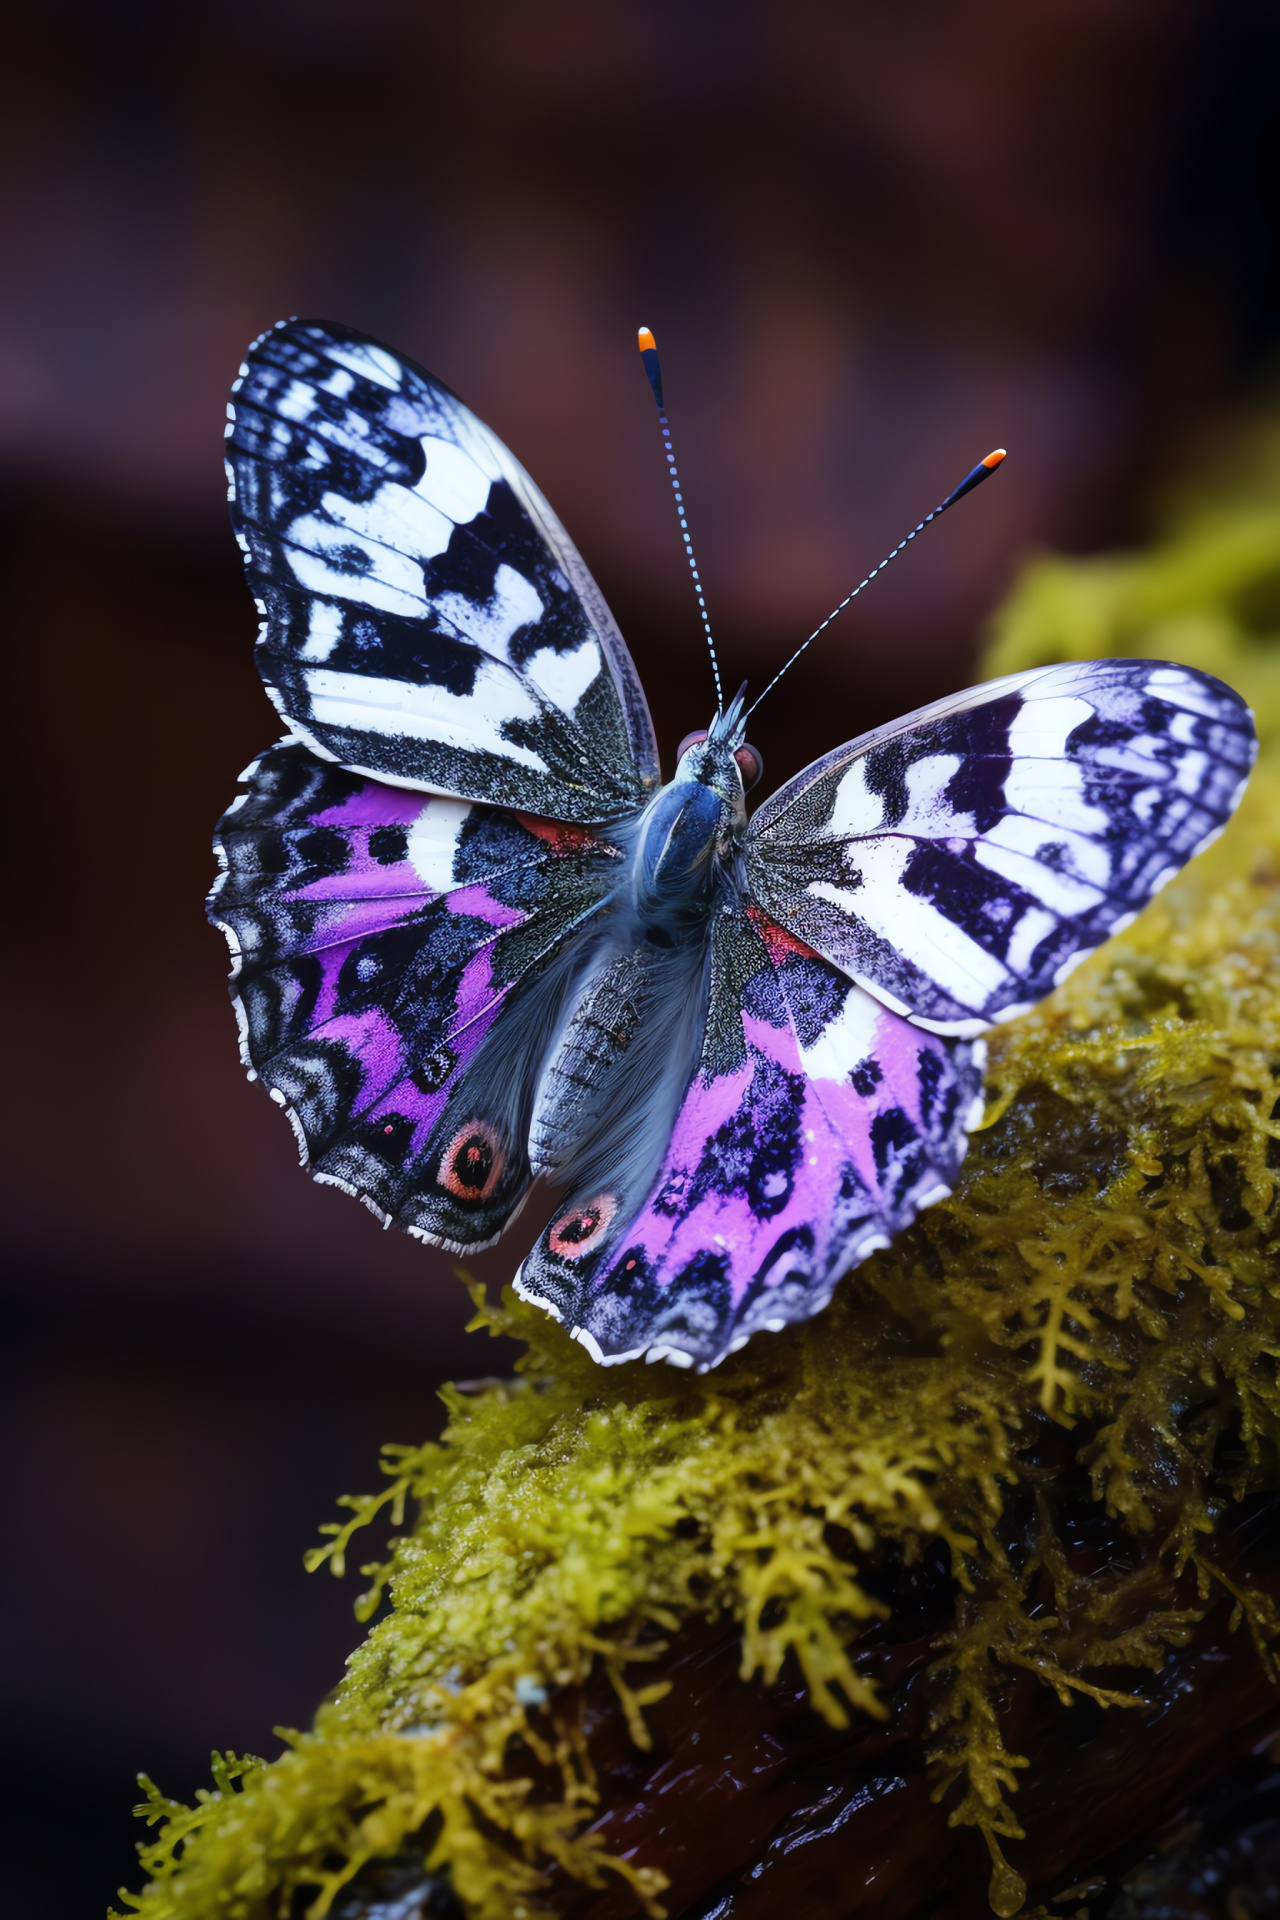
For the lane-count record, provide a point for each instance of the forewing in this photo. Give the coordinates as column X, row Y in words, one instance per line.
column 816, row 1125
column 959, row 863
column 426, row 619
column 397, row 958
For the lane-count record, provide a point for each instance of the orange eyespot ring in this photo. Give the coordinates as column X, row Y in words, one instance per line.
column 690, row 740
column 471, row 1165
column 750, row 766
column 581, row 1230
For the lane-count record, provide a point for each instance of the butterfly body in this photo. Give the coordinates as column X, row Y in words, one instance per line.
column 610, row 1085
column 477, row 941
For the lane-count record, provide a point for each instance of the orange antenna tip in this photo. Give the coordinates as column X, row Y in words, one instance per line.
column 974, row 478
column 649, row 355
column 649, row 360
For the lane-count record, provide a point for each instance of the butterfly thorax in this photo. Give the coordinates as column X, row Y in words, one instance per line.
column 685, row 846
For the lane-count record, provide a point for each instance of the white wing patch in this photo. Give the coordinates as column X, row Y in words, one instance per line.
column 492, row 625
column 1053, row 790
column 1041, row 728
column 370, row 362
column 565, row 677
column 332, row 559
column 471, row 721
column 396, row 518
column 432, row 842
column 453, row 483
column 324, row 629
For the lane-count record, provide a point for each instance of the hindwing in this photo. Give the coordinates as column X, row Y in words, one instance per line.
column 399, row 961
column 817, row 1124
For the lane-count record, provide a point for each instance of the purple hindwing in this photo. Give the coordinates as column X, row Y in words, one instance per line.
column 817, row 1124
column 378, row 935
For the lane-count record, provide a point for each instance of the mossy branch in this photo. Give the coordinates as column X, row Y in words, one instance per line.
column 1105, row 1273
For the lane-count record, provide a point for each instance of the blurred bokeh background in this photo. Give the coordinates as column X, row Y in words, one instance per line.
column 873, row 240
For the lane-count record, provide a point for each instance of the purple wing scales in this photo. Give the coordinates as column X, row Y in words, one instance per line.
column 817, row 1124
column 378, row 936
column 900, row 1101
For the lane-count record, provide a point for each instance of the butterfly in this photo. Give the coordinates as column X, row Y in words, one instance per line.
column 477, row 940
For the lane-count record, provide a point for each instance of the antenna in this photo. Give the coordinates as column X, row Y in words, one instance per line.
column 983, row 471
column 649, row 354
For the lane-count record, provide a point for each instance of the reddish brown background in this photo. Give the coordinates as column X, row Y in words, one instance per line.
column 874, row 240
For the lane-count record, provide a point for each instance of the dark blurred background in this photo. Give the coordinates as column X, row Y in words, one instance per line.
column 874, row 240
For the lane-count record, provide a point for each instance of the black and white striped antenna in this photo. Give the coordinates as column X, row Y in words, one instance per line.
column 975, row 477
column 649, row 355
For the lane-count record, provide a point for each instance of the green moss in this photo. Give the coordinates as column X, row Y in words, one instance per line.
column 1107, row 1264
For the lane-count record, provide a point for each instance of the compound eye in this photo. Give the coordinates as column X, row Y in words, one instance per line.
column 690, row 740
column 750, row 766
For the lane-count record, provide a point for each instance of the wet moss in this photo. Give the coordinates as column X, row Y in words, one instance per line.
column 1106, row 1275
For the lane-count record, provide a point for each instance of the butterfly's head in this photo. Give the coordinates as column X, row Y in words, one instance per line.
column 713, row 753
column 712, row 762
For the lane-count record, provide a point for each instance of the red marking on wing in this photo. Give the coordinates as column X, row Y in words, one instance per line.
column 558, row 834
column 776, row 939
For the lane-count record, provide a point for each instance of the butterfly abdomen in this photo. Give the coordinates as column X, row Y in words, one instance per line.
column 578, row 1076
